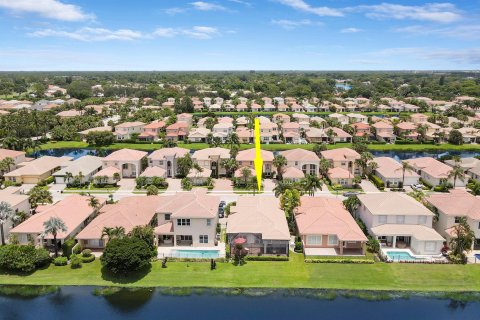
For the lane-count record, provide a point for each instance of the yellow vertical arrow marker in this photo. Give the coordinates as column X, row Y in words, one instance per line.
column 258, row 155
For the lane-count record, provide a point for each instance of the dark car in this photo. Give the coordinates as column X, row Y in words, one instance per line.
column 350, row 194
column 221, row 213
column 222, row 204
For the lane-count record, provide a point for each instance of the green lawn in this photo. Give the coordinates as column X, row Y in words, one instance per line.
column 292, row 274
column 271, row 147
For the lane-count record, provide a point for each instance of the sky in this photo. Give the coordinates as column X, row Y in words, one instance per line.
column 166, row 35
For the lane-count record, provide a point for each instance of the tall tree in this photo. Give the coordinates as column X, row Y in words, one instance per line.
column 53, row 226
column 279, row 162
column 6, row 214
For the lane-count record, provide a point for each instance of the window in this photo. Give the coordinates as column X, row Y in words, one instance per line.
column 382, row 219
column 125, row 166
column 332, row 240
column 422, row 219
column 160, row 163
column 167, row 216
column 203, row 238
column 400, row 219
column 186, row 238
column 209, row 222
column 457, row 219
column 183, row 222
column 314, row 240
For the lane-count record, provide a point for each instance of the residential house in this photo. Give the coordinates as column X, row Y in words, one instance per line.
column 259, row 225
column 83, row 168
column 188, row 219
column 327, row 229
column 357, row 118
column 128, row 212
column 434, row 171
column 391, row 173
column 124, row 131
column 343, row 158
column 419, row 118
column 185, row 117
column 470, row 165
column 399, row 221
column 384, row 132
column 198, row 134
column 292, row 174
column 129, row 162
column 280, row 118
column 341, row 118
column 341, row 176
column 291, row 132
column 339, row 135
column 246, row 158
column 222, row 130
column 69, row 114
column 304, row 160
column 268, row 132
column 37, row 170
column 245, row 135
column 177, row 131
column 362, row 129
column 18, row 157
column 74, row 210
column 316, row 135
column 211, row 159
column 84, row 133
column 166, row 158
column 18, row 201
column 152, row 130
column 452, row 206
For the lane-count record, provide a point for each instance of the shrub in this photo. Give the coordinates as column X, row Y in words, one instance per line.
column 67, row 247
column 125, row 255
column 186, row 184
column 298, row 247
column 42, row 258
column 21, row 258
column 75, row 261
column 77, row 248
column 377, row 181
column 86, row 253
column 266, row 258
column 425, row 183
column 87, row 259
column 333, row 260
column 60, row 261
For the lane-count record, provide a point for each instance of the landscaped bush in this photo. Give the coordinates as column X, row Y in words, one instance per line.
column 77, row 248
column 60, row 261
column 377, row 182
column 298, row 247
column 125, row 255
column 333, row 260
column 266, row 258
column 75, row 261
column 86, row 253
column 67, row 247
column 425, row 183
column 87, row 259
column 22, row 258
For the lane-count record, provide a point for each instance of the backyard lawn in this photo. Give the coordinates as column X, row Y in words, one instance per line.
column 292, row 274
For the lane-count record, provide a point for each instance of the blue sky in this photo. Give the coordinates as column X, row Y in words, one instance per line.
column 239, row 35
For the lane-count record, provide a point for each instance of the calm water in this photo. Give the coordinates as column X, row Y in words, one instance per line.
column 80, row 303
column 398, row 155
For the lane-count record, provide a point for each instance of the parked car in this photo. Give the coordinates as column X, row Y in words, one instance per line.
column 417, row 186
column 350, row 194
column 222, row 204
column 221, row 213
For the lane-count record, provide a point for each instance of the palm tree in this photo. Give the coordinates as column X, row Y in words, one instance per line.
column 113, row 233
column 8, row 163
column 233, row 139
column 39, row 195
column 279, row 162
column 53, row 226
column 6, row 213
column 311, row 183
column 116, row 177
column 351, row 204
column 365, row 158
column 93, row 202
column 324, row 166
column 331, row 135
column 405, row 167
column 456, row 173
column 246, row 174
column 230, row 164
column 68, row 177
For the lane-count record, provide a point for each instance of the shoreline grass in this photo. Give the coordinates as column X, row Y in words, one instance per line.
column 268, row 274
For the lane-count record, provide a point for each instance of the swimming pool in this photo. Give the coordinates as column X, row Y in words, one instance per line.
column 196, row 254
column 401, row 256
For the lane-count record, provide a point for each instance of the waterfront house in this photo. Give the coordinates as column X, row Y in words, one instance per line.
column 384, row 132
column 304, row 160
column 399, row 221
column 198, row 134
column 246, row 158
column 433, row 171
column 291, row 132
column 391, row 173
column 129, row 162
column 211, row 159
column 83, row 169
column 18, row 200
column 177, row 131
column 343, row 158
column 37, row 170
column 18, row 157
column 259, row 225
column 327, row 229
column 125, row 130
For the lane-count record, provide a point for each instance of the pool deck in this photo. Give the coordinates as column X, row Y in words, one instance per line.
column 431, row 258
column 167, row 251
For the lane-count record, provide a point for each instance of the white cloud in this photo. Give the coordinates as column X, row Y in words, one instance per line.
column 291, row 24
column 303, row 6
column 100, row 34
column 174, row 11
column 207, row 6
column 466, row 56
column 245, row 3
column 466, row 32
column 351, row 30
column 53, row 9
column 91, row 34
column 435, row 12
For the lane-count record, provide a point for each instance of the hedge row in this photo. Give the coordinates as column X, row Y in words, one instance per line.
column 333, row 260
column 266, row 258
column 377, row 181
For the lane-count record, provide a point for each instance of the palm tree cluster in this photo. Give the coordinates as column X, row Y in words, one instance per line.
column 307, row 185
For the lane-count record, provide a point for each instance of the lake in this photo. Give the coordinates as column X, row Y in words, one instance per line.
column 398, row 155
column 80, row 303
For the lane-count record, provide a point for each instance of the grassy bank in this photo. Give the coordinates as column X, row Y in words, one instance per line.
column 292, row 274
column 270, row 147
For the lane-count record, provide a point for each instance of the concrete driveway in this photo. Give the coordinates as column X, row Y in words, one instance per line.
column 368, row 187
column 174, row 185
column 223, row 185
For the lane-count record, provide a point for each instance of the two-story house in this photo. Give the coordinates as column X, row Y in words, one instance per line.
column 399, row 221
column 211, row 159
column 246, row 158
column 384, row 132
column 304, row 160
column 166, row 158
column 177, row 131
column 125, row 130
column 152, row 130
column 222, row 130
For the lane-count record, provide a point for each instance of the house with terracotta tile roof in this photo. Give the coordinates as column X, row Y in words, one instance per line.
column 406, row 129
column 128, row 212
column 281, row 118
column 69, row 113
column 418, row 118
column 341, row 118
column 245, row 135
column 399, row 221
column 198, row 134
column 292, row 174
column 185, row 117
column 304, row 160
column 339, row 135
column 281, row 107
column 326, row 228
column 434, row 171
column 362, row 129
column 470, row 165
column 211, row 159
column 316, row 135
column 188, row 219
column 384, row 132
column 166, row 158
column 391, row 173
column 357, row 118
column 177, row 131
column 73, row 210
column 127, row 161
column 343, row 158
column 453, row 205
column 246, row 158
column 37, row 170
column 340, row 176
column 125, row 130
column 260, row 225
column 18, row 200
column 83, row 168
column 151, row 172
column 17, row 157
column 222, row 130
column 151, row 131
column 291, row 132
